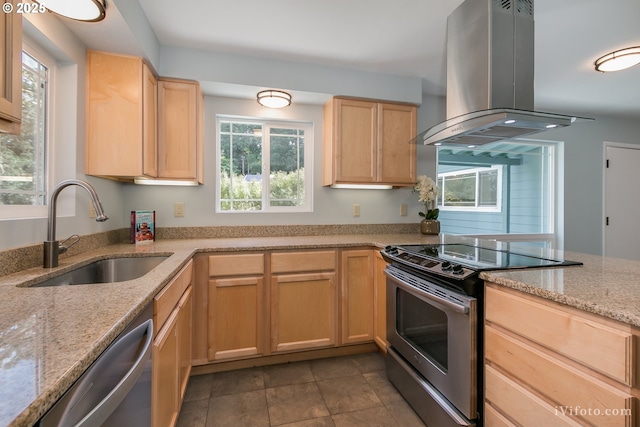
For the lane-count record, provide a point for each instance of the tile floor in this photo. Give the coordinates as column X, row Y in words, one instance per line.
column 347, row 391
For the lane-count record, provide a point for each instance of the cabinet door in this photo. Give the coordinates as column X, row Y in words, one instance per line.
column 303, row 311
column 357, row 296
column 164, row 394
column 10, row 71
column 380, row 303
column 185, row 312
column 114, row 128
column 178, row 135
column 235, row 317
column 396, row 157
column 355, row 141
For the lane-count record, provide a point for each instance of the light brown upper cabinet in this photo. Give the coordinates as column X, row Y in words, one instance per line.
column 140, row 126
column 121, row 117
column 180, row 143
column 367, row 142
column 10, row 72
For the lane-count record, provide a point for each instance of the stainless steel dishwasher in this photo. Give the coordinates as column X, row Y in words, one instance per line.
column 116, row 389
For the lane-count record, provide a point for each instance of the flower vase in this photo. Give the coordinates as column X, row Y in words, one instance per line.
column 430, row 226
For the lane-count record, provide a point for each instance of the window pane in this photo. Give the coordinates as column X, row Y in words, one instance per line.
column 286, row 185
column 240, row 166
column 488, row 188
column 460, row 190
column 22, row 157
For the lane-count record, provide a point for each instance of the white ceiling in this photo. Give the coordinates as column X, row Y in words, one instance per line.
column 407, row 38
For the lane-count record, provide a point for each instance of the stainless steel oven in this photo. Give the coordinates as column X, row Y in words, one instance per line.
column 436, row 329
column 434, row 325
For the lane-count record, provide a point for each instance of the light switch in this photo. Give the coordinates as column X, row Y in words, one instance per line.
column 356, row 210
column 403, row 210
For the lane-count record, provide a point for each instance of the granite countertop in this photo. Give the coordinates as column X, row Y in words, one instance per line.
column 50, row 335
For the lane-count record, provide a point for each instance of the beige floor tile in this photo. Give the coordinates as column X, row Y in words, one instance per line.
column 404, row 414
column 382, row 386
column 287, row 374
column 333, row 367
column 354, row 389
column 199, row 387
column 296, row 402
column 247, row 409
column 316, row 422
column 232, row 382
column 193, row 413
column 348, row 394
column 372, row 417
column 369, row 362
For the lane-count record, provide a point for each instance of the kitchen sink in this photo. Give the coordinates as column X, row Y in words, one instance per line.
column 105, row 271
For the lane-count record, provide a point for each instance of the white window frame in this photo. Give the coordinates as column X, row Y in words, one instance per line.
column 476, row 208
column 39, row 211
column 267, row 125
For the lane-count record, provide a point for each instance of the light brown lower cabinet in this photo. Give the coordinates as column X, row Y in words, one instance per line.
column 550, row 364
column 165, row 391
column 357, row 296
column 236, row 306
column 304, row 300
column 171, row 348
column 235, row 317
column 303, row 311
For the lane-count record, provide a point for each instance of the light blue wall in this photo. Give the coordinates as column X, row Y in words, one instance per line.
column 331, row 206
column 583, row 176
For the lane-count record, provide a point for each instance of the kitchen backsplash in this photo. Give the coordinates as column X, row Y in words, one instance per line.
column 18, row 259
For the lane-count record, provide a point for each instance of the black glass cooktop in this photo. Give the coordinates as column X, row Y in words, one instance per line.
column 479, row 258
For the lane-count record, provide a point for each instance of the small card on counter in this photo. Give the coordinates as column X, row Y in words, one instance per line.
column 143, row 227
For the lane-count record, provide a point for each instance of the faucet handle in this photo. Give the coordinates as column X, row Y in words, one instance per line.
column 63, row 246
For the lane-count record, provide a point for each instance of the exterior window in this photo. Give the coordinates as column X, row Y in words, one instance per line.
column 23, row 162
column 476, row 189
column 264, row 166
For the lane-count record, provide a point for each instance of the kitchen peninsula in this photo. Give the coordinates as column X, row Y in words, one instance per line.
column 51, row 335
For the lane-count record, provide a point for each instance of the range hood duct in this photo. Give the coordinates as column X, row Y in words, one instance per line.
column 490, row 66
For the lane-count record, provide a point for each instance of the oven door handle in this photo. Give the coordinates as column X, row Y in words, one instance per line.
column 458, row 308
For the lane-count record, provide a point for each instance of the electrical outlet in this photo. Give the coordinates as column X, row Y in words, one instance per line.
column 356, row 210
column 92, row 210
column 403, row 210
column 178, row 209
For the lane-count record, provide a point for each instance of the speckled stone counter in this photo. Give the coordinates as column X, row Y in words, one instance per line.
column 50, row 335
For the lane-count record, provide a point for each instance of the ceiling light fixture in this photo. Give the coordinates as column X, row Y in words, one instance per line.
column 80, row 10
column 618, row 60
column 274, row 98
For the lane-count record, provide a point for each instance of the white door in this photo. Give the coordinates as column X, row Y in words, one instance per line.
column 622, row 202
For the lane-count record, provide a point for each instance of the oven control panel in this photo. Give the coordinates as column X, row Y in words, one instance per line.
column 427, row 264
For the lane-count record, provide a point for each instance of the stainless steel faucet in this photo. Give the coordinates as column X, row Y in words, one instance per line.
column 52, row 248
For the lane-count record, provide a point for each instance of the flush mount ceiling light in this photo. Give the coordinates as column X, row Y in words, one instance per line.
column 619, row 60
column 80, row 10
column 274, row 98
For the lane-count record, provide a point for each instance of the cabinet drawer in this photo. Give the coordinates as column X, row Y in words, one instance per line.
column 558, row 382
column 168, row 297
column 236, row 265
column 595, row 345
column 294, row 262
column 524, row 407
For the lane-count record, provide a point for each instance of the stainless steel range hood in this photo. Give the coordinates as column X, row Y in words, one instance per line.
column 490, row 65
